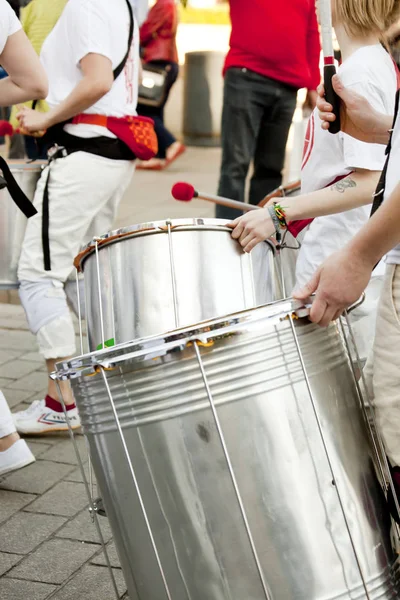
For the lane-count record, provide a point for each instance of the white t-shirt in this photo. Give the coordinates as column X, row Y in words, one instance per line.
column 9, row 23
column 370, row 71
column 99, row 27
column 392, row 181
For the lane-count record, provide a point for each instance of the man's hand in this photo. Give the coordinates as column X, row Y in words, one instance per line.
column 358, row 118
column 338, row 283
column 252, row 228
column 32, row 121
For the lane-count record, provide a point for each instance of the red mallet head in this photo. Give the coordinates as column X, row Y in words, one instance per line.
column 183, row 192
column 6, row 128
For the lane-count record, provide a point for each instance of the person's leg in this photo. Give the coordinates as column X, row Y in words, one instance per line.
column 386, row 373
column 81, row 185
column 14, row 452
column 269, row 158
column 241, row 119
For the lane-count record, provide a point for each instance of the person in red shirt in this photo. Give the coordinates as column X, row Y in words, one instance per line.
column 274, row 51
column 158, row 43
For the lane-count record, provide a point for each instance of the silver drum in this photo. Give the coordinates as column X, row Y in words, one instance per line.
column 13, row 222
column 155, row 277
column 247, row 471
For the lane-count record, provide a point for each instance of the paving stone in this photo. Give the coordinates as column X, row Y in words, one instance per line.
column 92, row 583
column 84, row 529
column 100, row 559
column 66, row 498
column 34, row 382
column 16, row 369
column 16, row 589
column 76, row 474
column 4, row 383
column 37, row 478
column 24, row 531
column 7, row 561
column 6, row 355
column 17, row 340
column 54, row 561
column 64, row 451
column 37, row 447
column 16, row 397
column 33, row 357
column 12, row 502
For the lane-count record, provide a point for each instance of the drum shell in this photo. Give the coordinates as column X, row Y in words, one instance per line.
column 197, row 268
column 13, row 222
column 288, row 480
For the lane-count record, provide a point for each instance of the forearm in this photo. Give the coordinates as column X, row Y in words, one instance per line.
column 12, row 93
column 83, row 96
column 382, row 232
column 351, row 192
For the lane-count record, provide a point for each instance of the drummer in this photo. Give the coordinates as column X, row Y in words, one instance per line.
column 339, row 173
column 26, row 80
column 92, row 60
column 342, row 278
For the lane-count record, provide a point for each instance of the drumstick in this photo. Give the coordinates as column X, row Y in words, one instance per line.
column 325, row 12
column 185, row 192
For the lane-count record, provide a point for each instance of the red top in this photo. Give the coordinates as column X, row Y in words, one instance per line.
column 276, row 38
column 158, row 32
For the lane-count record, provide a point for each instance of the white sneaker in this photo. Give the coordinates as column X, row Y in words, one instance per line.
column 16, row 457
column 38, row 418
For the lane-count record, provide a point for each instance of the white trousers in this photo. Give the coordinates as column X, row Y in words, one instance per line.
column 7, row 426
column 84, row 194
column 383, row 367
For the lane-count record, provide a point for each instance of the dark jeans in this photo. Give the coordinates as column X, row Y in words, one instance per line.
column 165, row 137
column 256, row 119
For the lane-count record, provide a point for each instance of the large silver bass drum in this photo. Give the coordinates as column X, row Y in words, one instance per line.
column 235, row 463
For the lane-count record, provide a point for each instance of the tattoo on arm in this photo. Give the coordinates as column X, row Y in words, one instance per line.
column 343, row 185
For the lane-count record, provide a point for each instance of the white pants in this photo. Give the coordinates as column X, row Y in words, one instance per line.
column 383, row 367
column 7, row 426
column 84, row 193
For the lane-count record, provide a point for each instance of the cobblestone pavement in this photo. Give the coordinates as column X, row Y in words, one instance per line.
column 49, row 546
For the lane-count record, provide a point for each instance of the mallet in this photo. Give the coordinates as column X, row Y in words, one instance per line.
column 185, row 192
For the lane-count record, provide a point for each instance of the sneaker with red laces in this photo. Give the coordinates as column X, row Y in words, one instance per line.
column 40, row 419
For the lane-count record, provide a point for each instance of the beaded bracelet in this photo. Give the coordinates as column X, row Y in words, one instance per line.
column 280, row 215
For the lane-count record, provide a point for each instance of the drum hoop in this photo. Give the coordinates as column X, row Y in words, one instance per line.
column 156, row 227
column 281, row 192
column 203, row 333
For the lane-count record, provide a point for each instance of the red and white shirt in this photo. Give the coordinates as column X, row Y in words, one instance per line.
column 370, row 71
column 99, row 27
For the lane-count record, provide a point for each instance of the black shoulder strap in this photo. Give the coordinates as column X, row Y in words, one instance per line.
column 121, row 67
column 380, row 190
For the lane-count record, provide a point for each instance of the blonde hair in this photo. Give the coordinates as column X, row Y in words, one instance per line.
column 367, row 16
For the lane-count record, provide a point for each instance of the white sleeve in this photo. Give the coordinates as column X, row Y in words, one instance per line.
column 9, row 23
column 360, row 155
column 91, row 31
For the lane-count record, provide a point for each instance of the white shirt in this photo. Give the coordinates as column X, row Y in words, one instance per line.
column 369, row 71
column 392, row 181
column 9, row 23
column 99, row 27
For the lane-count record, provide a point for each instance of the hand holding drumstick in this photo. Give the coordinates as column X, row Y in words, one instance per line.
column 358, row 118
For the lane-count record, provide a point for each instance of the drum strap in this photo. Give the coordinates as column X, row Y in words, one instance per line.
column 380, row 190
column 20, row 199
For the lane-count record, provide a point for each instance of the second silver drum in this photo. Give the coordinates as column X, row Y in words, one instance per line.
column 155, row 277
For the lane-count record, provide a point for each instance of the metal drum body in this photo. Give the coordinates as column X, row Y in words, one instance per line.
column 155, row 277
column 253, row 471
column 13, row 222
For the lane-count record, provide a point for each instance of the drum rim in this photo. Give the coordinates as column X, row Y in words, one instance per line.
column 21, row 164
column 149, row 228
column 88, row 364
